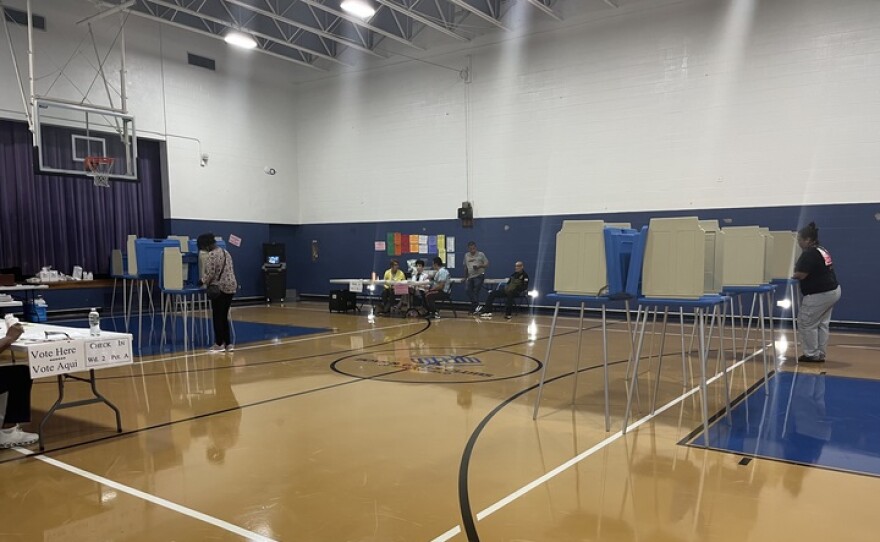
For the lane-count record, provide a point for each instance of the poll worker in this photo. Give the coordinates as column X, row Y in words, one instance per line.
column 475, row 265
column 15, row 397
column 393, row 273
column 517, row 283
column 815, row 271
column 419, row 275
column 439, row 289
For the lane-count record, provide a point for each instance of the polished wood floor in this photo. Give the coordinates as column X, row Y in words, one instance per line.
column 364, row 434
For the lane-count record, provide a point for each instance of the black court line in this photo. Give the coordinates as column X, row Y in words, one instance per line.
column 203, row 415
column 222, row 411
column 467, row 517
column 255, row 364
column 689, row 438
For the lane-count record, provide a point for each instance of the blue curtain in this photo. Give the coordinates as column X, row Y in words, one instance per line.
column 64, row 221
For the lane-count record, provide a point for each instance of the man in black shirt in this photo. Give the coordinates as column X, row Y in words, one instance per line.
column 815, row 271
column 516, row 285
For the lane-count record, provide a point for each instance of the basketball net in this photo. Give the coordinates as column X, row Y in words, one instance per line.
column 98, row 168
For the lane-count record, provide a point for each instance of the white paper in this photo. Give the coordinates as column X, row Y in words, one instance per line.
column 107, row 352
column 356, row 286
column 450, row 244
column 450, row 260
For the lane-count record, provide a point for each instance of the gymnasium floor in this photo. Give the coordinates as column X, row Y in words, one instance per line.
column 368, row 433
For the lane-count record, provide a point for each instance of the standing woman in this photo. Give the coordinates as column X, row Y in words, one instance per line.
column 815, row 271
column 218, row 277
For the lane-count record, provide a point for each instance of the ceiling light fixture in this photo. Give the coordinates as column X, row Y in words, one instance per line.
column 240, row 39
column 359, row 8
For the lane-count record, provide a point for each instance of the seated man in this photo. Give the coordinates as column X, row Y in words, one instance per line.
column 419, row 275
column 516, row 285
column 15, row 382
column 394, row 273
column 439, row 289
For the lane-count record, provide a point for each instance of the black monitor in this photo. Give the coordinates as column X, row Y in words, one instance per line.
column 274, row 260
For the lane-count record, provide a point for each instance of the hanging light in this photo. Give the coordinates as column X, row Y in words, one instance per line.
column 240, row 39
column 359, row 8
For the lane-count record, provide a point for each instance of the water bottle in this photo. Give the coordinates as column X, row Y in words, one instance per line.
column 40, row 302
column 94, row 322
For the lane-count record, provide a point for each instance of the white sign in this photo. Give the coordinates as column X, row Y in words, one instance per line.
column 356, row 286
column 56, row 358
column 107, row 352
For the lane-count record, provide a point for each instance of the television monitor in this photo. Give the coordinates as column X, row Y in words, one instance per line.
column 273, row 259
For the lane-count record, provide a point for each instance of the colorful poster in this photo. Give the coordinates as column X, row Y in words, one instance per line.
column 389, row 244
column 441, row 243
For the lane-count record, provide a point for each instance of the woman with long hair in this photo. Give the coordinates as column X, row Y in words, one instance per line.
column 218, row 276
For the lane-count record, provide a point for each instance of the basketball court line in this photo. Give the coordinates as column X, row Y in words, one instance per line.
column 486, row 512
column 158, row 501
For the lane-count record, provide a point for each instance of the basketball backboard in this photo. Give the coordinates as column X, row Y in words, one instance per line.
column 66, row 133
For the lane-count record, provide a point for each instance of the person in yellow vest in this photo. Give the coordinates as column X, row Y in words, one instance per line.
column 394, row 273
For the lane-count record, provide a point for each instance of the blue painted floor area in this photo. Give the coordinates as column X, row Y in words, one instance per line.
column 808, row 418
column 243, row 332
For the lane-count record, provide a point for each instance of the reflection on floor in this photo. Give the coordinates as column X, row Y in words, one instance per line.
column 808, row 418
column 199, row 332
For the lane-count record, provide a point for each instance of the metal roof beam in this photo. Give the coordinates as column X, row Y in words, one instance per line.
column 545, row 8
column 479, row 13
column 232, row 26
column 144, row 15
column 307, row 28
column 353, row 20
column 414, row 15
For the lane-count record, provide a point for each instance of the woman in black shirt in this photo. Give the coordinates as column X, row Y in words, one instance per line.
column 815, row 271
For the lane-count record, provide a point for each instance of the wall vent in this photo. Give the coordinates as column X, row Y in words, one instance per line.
column 201, row 61
column 20, row 17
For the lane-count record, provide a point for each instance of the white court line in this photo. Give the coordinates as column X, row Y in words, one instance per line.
column 587, row 453
column 235, row 529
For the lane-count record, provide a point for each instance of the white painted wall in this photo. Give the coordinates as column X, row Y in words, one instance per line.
column 241, row 115
column 657, row 105
column 660, row 104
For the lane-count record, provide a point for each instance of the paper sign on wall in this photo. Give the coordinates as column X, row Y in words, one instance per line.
column 379, row 246
column 234, row 240
column 450, row 260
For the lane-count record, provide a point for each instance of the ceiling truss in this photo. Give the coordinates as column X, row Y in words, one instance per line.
column 315, row 33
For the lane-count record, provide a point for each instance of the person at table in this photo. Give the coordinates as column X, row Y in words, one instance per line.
column 517, row 284
column 218, row 271
column 393, row 273
column 815, row 271
column 439, row 289
column 15, row 382
column 475, row 265
column 419, row 275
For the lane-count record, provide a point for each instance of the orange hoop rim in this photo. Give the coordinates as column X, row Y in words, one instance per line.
column 92, row 163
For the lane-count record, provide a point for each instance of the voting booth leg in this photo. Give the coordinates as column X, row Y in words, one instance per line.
column 577, row 359
column 763, row 342
column 660, row 359
column 546, row 361
column 634, row 361
column 795, row 302
column 60, row 404
column 605, row 369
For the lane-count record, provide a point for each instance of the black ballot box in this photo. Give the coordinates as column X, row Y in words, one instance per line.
column 274, row 272
column 342, row 301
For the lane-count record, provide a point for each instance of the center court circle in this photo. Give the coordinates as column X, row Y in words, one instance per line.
column 449, row 366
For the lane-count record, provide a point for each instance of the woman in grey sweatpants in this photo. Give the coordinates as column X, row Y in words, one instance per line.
column 815, row 271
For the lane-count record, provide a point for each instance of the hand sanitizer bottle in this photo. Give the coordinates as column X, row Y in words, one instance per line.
column 94, row 322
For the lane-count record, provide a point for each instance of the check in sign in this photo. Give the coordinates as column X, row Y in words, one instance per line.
column 55, row 358
column 101, row 353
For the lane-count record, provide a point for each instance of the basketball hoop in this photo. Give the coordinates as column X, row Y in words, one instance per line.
column 98, row 168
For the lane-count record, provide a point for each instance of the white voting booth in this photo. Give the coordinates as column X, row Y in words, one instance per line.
column 747, row 251
column 681, row 258
column 581, row 267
